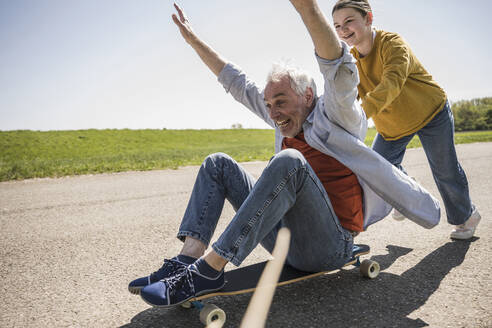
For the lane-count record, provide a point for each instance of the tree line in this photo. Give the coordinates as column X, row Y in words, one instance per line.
column 472, row 115
column 469, row 115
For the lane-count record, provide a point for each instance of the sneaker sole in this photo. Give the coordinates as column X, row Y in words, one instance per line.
column 204, row 292
column 470, row 234
column 398, row 217
column 135, row 290
column 461, row 237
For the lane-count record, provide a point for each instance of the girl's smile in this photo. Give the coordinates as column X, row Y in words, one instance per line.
column 354, row 28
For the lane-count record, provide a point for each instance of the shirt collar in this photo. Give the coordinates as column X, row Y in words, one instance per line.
column 310, row 117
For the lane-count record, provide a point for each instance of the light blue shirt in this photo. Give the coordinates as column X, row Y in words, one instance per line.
column 337, row 127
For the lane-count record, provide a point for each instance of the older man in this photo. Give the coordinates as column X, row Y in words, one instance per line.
column 323, row 183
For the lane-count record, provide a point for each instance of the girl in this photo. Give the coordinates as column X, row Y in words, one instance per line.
column 403, row 100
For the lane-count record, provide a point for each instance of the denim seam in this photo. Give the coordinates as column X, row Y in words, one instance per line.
column 260, row 212
column 210, row 193
column 451, row 216
column 228, row 196
column 333, row 214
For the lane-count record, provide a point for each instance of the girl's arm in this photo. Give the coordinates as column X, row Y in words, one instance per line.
column 397, row 64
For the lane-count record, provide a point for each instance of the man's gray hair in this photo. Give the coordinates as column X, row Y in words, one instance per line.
column 300, row 80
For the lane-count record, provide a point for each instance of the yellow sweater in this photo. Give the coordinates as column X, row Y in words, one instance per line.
column 396, row 90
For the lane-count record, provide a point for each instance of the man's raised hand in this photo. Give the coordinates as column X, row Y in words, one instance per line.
column 183, row 24
column 208, row 55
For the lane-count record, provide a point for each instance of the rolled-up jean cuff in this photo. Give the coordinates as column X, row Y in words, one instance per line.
column 227, row 256
column 183, row 234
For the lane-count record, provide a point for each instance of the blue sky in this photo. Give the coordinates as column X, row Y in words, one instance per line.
column 100, row 64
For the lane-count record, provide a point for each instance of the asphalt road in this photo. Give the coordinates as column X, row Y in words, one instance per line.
column 69, row 247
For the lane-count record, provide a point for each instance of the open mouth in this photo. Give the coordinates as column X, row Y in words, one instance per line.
column 282, row 124
column 348, row 36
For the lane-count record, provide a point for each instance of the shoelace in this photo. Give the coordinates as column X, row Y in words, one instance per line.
column 174, row 265
column 183, row 275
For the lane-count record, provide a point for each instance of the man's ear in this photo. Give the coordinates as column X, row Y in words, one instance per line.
column 308, row 97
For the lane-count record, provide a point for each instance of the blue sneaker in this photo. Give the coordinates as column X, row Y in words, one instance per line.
column 187, row 284
column 168, row 269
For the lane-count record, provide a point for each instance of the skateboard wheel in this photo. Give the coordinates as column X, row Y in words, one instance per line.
column 369, row 269
column 186, row 305
column 211, row 313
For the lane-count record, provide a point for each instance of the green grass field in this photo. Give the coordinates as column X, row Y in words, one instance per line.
column 35, row 154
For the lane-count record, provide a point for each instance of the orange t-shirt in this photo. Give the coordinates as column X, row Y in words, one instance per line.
column 340, row 183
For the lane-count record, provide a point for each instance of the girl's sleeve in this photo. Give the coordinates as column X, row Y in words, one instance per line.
column 396, row 68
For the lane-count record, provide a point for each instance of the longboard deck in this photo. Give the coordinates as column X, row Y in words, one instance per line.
column 244, row 280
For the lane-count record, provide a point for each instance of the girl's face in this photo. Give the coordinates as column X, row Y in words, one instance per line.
column 351, row 26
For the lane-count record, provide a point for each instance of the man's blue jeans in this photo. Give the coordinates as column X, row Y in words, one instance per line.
column 288, row 193
column 437, row 139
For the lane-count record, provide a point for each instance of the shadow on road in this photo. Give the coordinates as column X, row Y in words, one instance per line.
column 342, row 299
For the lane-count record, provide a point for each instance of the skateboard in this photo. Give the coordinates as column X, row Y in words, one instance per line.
column 244, row 280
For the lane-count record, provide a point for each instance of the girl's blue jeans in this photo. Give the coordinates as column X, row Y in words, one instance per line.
column 437, row 139
column 288, row 193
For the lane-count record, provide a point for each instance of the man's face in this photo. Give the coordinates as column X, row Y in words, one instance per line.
column 286, row 107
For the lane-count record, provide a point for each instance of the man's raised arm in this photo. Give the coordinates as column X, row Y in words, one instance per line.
column 325, row 40
column 230, row 76
column 208, row 55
